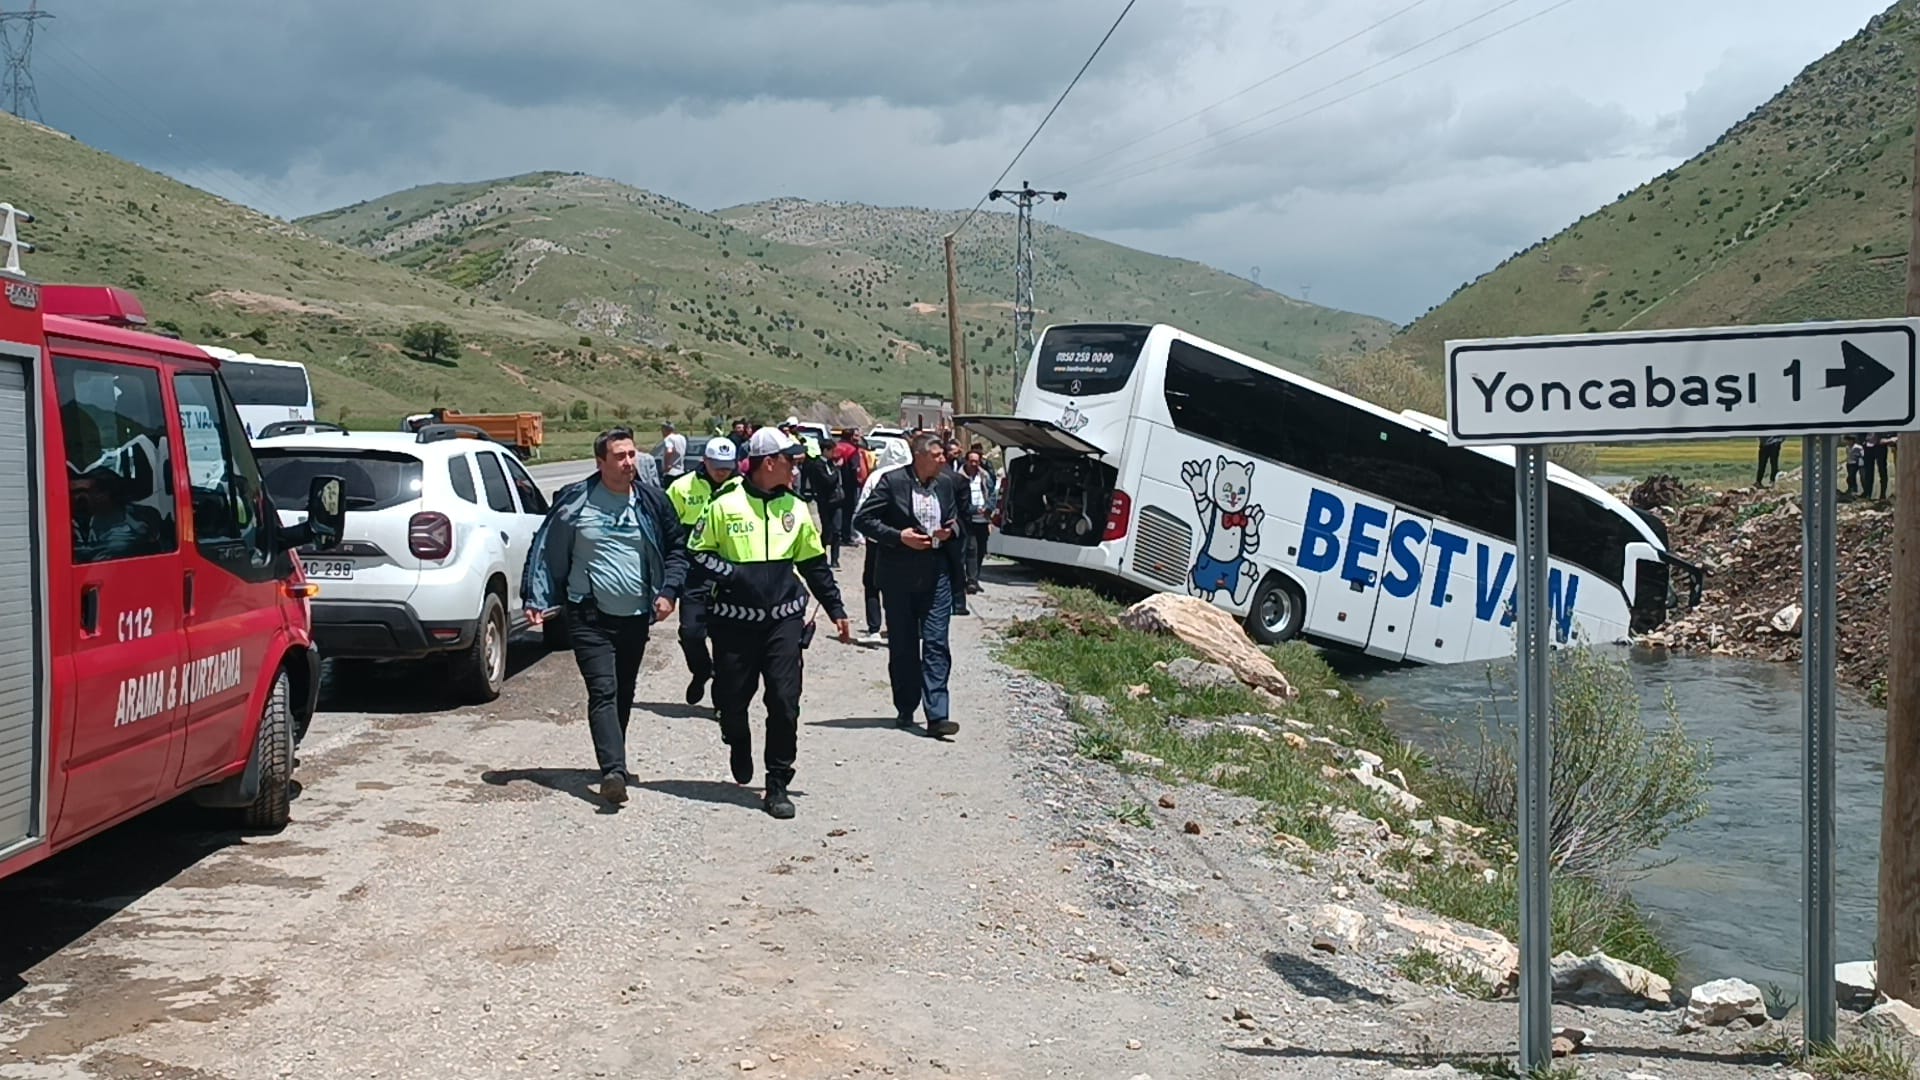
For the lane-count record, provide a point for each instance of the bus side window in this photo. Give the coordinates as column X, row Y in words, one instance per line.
column 118, row 466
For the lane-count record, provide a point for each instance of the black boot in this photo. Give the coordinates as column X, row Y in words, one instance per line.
column 696, row 689
column 777, row 803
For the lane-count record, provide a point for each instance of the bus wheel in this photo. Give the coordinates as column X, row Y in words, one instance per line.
column 271, row 809
column 1279, row 611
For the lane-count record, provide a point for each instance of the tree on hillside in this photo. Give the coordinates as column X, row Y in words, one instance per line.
column 433, row 342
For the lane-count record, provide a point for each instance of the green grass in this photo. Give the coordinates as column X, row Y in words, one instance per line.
column 1796, row 213
column 1720, row 462
column 863, row 287
column 1873, row 1057
column 1428, row 968
column 1080, row 647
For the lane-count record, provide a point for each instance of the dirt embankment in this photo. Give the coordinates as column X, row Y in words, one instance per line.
column 1748, row 540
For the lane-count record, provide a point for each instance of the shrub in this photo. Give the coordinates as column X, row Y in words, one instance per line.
column 1617, row 789
column 579, row 410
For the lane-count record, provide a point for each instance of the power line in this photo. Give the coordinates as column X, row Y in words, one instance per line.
column 20, row 93
column 1242, row 92
column 1516, row 24
column 128, row 102
column 1317, row 91
column 1050, row 112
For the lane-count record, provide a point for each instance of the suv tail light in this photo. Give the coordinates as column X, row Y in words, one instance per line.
column 1117, row 516
column 430, row 535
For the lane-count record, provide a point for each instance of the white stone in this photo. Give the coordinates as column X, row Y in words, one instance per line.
column 1895, row 1017
column 1482, row 952
column 1213, row 633
column 1600, row 976
column 1856, row 982
column 1723, row 1002
column 1395, row 796
column 1337, row 929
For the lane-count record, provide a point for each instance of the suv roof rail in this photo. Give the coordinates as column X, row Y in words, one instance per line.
column 293, row 427
column 436, row 432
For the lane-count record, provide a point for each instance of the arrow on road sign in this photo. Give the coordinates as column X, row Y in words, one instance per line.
column 1861, row 375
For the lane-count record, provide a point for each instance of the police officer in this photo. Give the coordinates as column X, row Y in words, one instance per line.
column 754, row 536
column 690, row 495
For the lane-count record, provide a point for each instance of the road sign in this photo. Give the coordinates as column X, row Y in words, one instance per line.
column 1684, row 384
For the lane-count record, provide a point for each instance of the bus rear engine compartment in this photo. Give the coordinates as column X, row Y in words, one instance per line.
column 1063, row 498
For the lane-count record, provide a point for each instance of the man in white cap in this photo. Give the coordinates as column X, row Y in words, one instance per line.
column 690, row 495
column 754, row 546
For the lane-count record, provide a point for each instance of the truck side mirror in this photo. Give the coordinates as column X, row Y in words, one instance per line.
column 326, row 513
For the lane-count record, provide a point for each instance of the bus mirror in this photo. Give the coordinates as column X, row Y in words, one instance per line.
column 326, row 517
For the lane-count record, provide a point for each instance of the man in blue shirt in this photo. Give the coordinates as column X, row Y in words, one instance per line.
column 613, row 555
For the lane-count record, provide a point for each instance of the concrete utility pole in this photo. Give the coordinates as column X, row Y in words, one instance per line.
column 1023, row 272
column 22, row 99
column 1898, row 948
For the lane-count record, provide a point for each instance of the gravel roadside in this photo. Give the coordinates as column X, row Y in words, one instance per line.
column 452, row 899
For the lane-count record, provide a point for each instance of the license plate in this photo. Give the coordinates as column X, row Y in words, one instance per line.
column 332, row 569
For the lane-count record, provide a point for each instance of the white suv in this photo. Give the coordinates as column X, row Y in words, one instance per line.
column 430, row 564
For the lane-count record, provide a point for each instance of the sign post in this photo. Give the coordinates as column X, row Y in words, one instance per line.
column 1808, row 379
column 1535, row 645
column 1819, row 997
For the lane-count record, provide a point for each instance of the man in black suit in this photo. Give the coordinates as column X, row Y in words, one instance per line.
column 914, row 517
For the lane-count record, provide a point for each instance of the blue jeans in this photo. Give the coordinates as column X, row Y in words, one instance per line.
column 918, row 659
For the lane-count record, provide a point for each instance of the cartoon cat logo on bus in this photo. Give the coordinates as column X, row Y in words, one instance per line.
column 1230, row 527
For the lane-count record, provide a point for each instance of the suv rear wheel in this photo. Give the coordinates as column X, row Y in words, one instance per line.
column 480, row 670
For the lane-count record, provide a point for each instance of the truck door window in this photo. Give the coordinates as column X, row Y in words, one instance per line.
column 118, row 463
column 495, row 481
column 222, row 476
column 532, row 501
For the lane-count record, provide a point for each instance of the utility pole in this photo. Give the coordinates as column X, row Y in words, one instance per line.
column 21, row 97
column 956, row 342
column 1023, row 272
column 1897, row 945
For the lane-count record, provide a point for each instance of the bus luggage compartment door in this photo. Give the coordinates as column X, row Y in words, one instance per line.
column 1400, row 579
column 22, row 719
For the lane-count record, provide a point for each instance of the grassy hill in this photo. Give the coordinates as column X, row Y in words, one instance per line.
column 844, row 300
column 218, row 273
column 1798, row 212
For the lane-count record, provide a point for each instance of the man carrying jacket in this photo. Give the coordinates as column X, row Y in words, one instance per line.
column 913, row 516
column 614, row 556
column 690, row 495
column 754, row 545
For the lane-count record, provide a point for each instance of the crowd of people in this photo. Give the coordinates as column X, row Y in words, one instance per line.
column 744, row 544
column 1866, row 457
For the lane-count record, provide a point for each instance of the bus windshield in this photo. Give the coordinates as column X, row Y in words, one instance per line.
column 1083, row 361
column 266, row 384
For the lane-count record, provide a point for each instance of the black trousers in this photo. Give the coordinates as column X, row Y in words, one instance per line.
column 1769, row 456
column 1876, row 461
column 693, row 635
column 869, row 585
column 747, row 655
column 918, row 657
column 609, row 650
column 977, row 534
column 833, row 529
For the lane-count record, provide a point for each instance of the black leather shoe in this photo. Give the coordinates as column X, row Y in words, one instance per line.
column 613, row 788
column 938, row 728
column 742, row 760
column 777, row 804
column 696, row 689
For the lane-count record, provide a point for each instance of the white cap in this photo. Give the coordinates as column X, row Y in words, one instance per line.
column 719, row 451
column 767, row 442
column 791, row 421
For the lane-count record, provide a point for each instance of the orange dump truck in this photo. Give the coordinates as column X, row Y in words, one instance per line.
column 523, row 431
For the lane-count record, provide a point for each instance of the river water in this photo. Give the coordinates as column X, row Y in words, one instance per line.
column 1729, row 901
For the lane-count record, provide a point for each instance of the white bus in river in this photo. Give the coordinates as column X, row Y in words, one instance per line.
column 1151, row 455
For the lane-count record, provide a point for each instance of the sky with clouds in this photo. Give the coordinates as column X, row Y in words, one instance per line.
column 1393, row 149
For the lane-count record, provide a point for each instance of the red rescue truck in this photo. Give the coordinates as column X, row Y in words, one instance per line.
column 154, row 626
